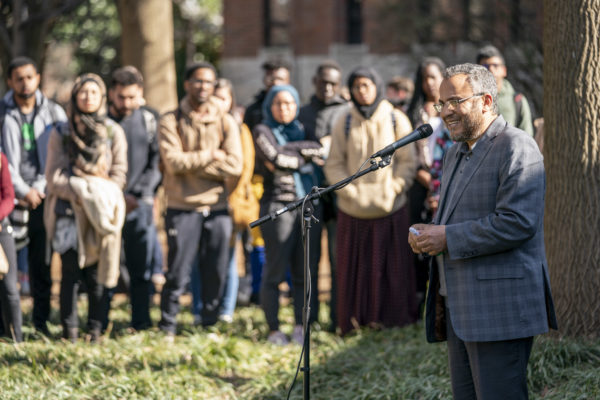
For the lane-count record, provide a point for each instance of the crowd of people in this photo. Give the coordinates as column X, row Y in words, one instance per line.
column 83, row 184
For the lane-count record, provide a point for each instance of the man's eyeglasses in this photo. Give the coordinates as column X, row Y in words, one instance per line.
column 454, row 102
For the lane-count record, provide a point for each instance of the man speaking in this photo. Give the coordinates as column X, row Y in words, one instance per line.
column 490, row 293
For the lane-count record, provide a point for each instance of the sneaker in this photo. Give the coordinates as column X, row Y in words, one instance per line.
column 298, row 334
column 278, row 338
column 158, row 280
column 226, row 318
column 169, row 338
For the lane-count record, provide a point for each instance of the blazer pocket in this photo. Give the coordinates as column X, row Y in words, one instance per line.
column 506, row 271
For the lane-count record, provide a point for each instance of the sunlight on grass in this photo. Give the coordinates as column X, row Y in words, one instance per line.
column 234, row 361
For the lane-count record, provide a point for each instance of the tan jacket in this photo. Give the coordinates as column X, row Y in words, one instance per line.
column 58, row 186
column 192, row 179
column 378, row 193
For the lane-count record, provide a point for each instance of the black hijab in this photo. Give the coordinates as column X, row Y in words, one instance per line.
column 366, row 72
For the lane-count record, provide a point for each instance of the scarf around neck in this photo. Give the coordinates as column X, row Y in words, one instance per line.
column 88, row 132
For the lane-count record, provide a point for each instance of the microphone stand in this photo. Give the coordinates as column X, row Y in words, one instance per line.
column 308, row 217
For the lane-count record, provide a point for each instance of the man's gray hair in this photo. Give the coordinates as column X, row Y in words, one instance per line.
column 480, row 79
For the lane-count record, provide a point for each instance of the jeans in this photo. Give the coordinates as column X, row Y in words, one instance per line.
column 10, row 301
column 72, row 277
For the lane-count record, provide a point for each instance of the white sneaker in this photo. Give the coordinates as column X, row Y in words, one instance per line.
column 298, row 335
column 278, row 338
column 226, row 318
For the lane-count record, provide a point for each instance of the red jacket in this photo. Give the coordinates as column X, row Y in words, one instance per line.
column 7, row 192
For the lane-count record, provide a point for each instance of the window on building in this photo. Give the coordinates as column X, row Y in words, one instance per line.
column 277, row 22
column 354, row 21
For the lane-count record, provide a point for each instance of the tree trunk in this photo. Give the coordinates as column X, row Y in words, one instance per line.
column 147, row 44
column 571, row 150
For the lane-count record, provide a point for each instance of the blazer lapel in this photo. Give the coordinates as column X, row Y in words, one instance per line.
column 452, row 160
column 461, row 181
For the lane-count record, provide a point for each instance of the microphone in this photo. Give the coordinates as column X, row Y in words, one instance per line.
column 420, row 133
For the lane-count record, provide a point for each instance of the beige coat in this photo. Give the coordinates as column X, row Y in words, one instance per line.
column 192, row 179
column 380, row 193
column 92, row 247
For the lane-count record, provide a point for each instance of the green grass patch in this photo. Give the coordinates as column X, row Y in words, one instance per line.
column 234, row 361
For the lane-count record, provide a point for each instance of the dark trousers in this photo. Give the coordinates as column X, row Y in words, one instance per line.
column 139, row 240
column 283, row 249
column 331, row 226
column 191, row 234
column 488, row 370
column 10, row 301
column 72, row 277
column 39, row 271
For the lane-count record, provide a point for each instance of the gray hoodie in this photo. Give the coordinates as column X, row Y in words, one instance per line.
column 47, row 115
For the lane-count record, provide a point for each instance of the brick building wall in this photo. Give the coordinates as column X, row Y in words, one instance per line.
column 396, row 34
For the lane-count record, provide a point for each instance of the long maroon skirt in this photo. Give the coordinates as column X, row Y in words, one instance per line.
column 375, row 272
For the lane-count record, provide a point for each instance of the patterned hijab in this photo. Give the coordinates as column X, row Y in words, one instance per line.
column 88, row 134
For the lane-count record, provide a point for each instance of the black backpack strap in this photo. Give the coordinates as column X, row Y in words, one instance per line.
column 518, row 99
column 347, row 125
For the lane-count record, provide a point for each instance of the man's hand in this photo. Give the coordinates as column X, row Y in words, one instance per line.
column 131, row 203
column 33, row 198
column 431, row 239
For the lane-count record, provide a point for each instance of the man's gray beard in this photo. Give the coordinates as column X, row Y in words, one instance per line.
column 471, row 128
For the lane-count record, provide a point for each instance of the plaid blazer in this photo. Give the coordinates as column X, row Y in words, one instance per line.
column 492, row 203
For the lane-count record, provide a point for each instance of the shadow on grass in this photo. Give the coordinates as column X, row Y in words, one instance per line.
column 369, row 364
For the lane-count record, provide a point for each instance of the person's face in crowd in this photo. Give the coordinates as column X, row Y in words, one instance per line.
column 364, row 91
column 432, row 79
column 225, row 95
column 496, row 67
column 125, row 99
column 284, row 107
column 273, row 77
column 464, row 121
column 327, row 84
column 201, row 85
column 394, row 95
column 89, row 98
column 24, row 81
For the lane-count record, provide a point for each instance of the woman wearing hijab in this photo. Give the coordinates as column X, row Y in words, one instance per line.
column 85, row 210
column 375, row 273
column 10, row 300
column 283, row 158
